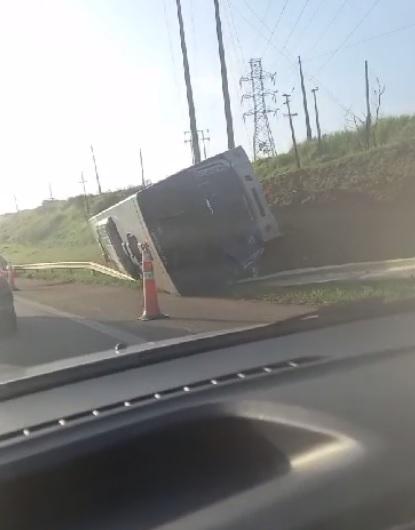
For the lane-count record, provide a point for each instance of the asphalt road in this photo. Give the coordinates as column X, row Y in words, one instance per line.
column 57, row 321
column 47, row 334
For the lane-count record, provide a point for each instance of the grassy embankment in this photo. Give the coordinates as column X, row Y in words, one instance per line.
column 331, row 293
column 344, row 164
column 57, row 231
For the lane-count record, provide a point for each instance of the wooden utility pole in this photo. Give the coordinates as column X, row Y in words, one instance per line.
column 204, row 140
column 307, row 116
column 201, row 136
column 189, row 91
column 96, row 171
column 224, row 74
column 143, row 182
column 86, row 203
column 16, row 203
column 189, row 141
column 314, row 90
column 290, row 117
column 368, row 113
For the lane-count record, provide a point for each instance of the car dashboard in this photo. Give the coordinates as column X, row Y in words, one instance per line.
column 305, row 431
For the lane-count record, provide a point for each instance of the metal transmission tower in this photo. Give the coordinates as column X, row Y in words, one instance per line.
column 263, row 141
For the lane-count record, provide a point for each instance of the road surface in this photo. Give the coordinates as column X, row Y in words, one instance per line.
column 63, row 320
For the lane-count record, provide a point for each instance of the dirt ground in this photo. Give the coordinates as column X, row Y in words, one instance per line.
column 349, row 230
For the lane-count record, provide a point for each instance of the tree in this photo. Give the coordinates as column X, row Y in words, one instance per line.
column 357, row 124
column 377, row 96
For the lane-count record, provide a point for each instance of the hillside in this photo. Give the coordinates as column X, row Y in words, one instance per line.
column 55, row 231
column 343, row 168
column 342, row 173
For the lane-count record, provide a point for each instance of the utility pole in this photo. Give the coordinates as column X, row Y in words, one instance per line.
column 192, row 113
column 201, row 135
column 224, row 74
column 96, row 171
column 368, row 113
column 189, row 141
column 263, row 141
column 50, row 192
column 16, row 203
column 86, row 203
column 143, row 182
column 314, row 90
column 204, row 140
column 290, row 117
column 307, row 116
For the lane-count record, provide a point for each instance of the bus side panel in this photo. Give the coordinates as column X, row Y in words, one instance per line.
column 128, row 219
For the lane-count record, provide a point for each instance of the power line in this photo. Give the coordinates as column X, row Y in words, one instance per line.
column 224, row 77
column 367, row 13
column 311, row 18
column 241, row 66
column 264, row 16
column 232, row 22
column 261, row 20
column 267, row 9
column 234, row 38
column 363, row 41
column 296, row 23
column 329, row 24
column 292, row 64
column 189, row 91
column 315, row 80
column 173, row 60
column 193, row 40
column 274, row 29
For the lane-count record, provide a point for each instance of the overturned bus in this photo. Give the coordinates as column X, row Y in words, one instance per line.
column 206, row 226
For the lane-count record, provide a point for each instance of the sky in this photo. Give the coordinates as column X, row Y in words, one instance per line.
column 109, row 73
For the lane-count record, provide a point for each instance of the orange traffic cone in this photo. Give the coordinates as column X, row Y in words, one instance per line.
column 151, row 309
column 11, row 277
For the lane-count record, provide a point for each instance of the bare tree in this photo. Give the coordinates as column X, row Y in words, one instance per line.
column 357, row 124
column 377, row 96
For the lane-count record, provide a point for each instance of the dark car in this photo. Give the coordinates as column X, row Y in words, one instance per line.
column 8, row 321
column 3, row 266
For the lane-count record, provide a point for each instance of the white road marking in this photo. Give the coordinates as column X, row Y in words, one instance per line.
column 106, row 329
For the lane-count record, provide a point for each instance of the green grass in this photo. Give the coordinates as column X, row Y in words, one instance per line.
column 344, row 166
column 56, row 231
column 390, row 130
column 330, row 293
column 20, row 253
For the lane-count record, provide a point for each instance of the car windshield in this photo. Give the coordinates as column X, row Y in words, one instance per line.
column 172, row 168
